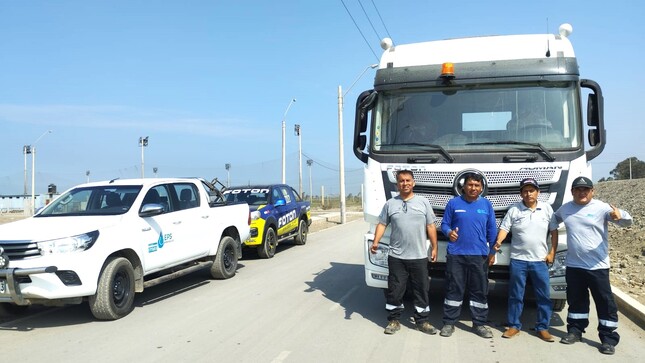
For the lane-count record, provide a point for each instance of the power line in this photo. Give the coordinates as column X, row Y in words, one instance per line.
column 382, row 22
column 359, row 30
column 378, row 37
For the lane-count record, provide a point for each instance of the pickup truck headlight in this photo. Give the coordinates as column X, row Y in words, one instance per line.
column 380, row 257
column 255, row 215
column 559, row 264
column 71, row 244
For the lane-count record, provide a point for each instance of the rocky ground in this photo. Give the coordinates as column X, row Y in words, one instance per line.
column 627, row 245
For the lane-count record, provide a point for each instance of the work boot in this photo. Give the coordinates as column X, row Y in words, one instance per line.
column 482, row 331
column 570, row 338
column 510, row 333
column 447, row 330
column 426, row 328
column 545, row 335
column 607, row 348
column 392, row 327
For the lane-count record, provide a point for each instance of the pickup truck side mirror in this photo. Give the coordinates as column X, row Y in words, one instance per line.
column 152, row 209
column 279, row 202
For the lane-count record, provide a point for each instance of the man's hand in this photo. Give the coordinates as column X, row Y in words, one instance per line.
column 615, row 213
column 373, row 248
column 550, row 257
column 491, row 259
column 454, row 234
column 433, row 255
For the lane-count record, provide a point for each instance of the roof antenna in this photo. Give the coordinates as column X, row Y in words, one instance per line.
column 548, row 47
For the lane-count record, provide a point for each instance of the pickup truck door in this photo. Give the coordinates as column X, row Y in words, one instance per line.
column 287, row 213
column 164, row 235
column 196, row 235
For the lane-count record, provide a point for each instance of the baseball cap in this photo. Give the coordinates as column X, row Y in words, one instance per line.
column 529, row 181
column 582, row 182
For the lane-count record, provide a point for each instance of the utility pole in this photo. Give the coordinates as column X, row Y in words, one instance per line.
column 284, row 148
column 143, row 142
column 297, row 131
column 311, row 191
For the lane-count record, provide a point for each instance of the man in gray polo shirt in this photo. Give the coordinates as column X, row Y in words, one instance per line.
column 411, row 220
column 529, row 221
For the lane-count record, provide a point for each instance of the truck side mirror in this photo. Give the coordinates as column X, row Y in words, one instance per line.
column 364, row 104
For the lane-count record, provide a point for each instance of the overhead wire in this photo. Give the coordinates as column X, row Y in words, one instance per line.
column 378, row 37
column 382, row 22
column 359, row 30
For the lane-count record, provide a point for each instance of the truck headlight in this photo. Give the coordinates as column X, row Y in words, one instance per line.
column 559, row 264
column 380, row 257
column 71, row 244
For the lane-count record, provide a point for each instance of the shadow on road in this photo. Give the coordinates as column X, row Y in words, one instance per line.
column 344, row 284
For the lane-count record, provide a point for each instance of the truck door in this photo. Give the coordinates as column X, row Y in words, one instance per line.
column 288, row 219
column 195, row 219
column 163, row 234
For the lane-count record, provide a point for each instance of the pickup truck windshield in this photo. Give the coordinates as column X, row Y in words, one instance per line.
column 477, row 118
column 252, row 196
column 99, row 200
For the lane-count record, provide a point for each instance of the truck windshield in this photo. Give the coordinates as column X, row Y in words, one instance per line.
column 98, row 200
column 475, row 119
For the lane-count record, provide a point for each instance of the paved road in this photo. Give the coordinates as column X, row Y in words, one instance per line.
column 308, row 304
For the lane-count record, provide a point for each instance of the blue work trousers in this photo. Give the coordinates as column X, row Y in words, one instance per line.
column 538, row 272
column 466, row 273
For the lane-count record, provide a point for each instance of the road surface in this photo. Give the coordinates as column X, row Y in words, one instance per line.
column 307, row 304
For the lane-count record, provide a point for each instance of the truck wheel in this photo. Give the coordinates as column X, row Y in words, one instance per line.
column 114, row 296
column 559, row 304
column 303, row 229
column 267, row 249
column 225, row 263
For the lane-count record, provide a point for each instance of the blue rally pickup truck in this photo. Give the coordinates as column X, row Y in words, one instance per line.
column 277, row 213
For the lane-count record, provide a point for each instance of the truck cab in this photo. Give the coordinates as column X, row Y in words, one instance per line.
column 506, row 107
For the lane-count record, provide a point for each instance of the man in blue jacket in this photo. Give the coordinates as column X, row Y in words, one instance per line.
column 469, row 223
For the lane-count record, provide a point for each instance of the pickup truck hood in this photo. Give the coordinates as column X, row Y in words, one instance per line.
column 46, row 228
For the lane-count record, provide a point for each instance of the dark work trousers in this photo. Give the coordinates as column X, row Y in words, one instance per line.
column 579, row 283
column 466, row 272
column 400, row 271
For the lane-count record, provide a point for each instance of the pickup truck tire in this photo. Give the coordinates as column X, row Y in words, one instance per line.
column 301, row 236
column 267, row 249
column 114, row 296
column 225, row 264
column 559, row 304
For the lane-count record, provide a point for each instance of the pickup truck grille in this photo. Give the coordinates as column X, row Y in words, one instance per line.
column 20, row 250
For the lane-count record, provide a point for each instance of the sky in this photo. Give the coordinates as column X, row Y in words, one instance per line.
column 210, row 82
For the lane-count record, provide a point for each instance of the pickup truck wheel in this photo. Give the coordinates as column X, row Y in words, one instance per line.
column 559, row 304
column 225, row 263
column 267, row 249
column 114, row 296
column 301, row 236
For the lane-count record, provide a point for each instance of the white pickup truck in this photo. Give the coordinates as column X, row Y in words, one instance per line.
column 102, row 242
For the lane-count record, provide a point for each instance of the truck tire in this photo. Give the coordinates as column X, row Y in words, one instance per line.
column 114, row 296
column 225, row 263
column 559, row 304
column 267, row 249
column 301, row 236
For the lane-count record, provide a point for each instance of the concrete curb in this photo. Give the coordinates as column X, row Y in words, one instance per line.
column 630, row 307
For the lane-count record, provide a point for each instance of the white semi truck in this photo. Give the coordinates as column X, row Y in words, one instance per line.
column 506, row 107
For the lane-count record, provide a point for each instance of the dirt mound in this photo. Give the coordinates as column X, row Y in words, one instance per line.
column 627, row 245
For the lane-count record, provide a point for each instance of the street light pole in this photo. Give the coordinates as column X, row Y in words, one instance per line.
column 227, row 166
column 341, row 156
column 143, row 142
column 284, row 125
column 33, row 172
column 87, row 174
column 311, row 191
column 26, row 150
column 297, row 130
